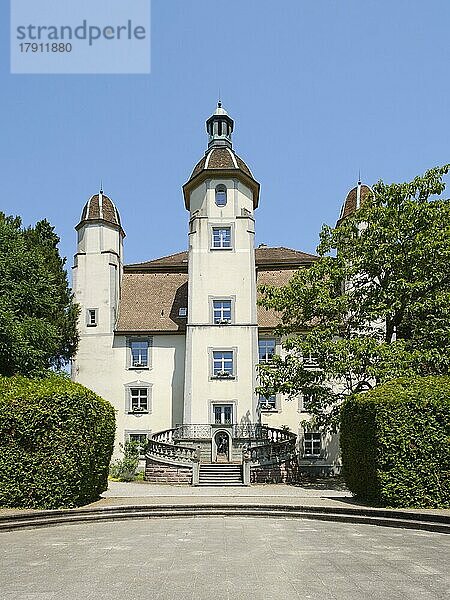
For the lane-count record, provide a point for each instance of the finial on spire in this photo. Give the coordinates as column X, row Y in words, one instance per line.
column 101, row 186
column 359, row 176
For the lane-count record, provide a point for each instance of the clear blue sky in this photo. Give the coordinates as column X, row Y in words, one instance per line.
column 318, row 89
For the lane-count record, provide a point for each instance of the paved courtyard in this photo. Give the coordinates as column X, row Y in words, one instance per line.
column 223, row 558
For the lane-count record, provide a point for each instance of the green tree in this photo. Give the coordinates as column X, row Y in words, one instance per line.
column 38, row 316
column 376, row 305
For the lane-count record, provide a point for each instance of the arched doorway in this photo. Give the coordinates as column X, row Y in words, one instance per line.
column 221, row 446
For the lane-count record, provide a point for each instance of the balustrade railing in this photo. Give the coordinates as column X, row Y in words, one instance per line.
column 272, row 452
column 264, row 444
column 254, row 431
column 165, row 436
column 173, row 452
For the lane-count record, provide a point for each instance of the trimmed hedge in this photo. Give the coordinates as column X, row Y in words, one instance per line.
column 395, row 442
column 56, row 441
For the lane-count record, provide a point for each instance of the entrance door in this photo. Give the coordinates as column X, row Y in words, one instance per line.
column 222, row 443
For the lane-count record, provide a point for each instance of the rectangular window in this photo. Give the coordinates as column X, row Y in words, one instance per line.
column 221, row 237
column 138, row 399
column 310, row 362
column 223, row 363
column 304, row 401
column 139, row 353
column 266, row 350
column 182, row 312
column 222, row 311
column 140, row 437
column 267, row 403
column 223, row 414
column 312, row 443
column 91, row 317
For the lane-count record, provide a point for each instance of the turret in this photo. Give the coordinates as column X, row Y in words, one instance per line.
column 221, row 196
column 98, row 265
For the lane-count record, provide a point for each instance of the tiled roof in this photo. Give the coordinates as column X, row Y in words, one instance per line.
column 349, row 205
column 100, row 207
column 270, row 318
column 151, row 302
column 265, row 256
column 154, row 291
column 220, row 159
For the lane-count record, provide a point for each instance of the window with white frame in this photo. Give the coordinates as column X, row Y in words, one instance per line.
column 310, row 362
column 221, row 195
column 92, row 317
column 221, row 312
column 139, row 353
column 223, row 363
column 266, row 349
column 267, row 402
column 304, row 401
column 138, row 399
column 312, row 443
column 221, row 237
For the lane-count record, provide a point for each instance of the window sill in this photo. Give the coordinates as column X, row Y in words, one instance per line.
column 223, row 377
column 312, row 457
column 269, row 410
column 138, row 412
column 91, row 325
column 220, row 248
column 132, row 368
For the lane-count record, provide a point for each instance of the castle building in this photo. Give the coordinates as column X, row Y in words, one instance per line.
column 174, row 343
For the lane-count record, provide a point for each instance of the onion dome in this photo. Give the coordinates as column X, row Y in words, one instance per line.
column 354, row 200
column 101, row 209
column 220, row 160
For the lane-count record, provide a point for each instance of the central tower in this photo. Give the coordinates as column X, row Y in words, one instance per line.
column 222, row 333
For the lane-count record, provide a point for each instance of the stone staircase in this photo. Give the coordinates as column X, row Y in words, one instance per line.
column 220, row 474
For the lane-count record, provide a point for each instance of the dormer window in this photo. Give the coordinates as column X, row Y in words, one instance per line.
column 221, row 195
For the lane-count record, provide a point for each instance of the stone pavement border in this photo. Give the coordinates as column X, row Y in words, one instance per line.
column 275, row 501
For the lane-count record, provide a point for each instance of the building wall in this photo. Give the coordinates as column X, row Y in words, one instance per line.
column 221, row 274
column 102, row 365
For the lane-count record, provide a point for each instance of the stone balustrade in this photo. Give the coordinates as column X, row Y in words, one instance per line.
column 263, row 445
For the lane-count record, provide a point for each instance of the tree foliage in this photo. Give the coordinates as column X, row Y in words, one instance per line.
column 38, row 315
column 374, row 306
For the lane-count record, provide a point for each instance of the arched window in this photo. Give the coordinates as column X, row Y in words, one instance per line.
column 221, row 195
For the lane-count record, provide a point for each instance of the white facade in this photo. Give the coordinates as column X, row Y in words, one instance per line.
column 178, row 340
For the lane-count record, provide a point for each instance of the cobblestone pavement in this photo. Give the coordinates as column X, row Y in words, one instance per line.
column 223, row 558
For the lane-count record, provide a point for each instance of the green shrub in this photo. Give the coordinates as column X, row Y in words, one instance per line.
column 56, row 441
column 395, row 443
column 124, row 469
